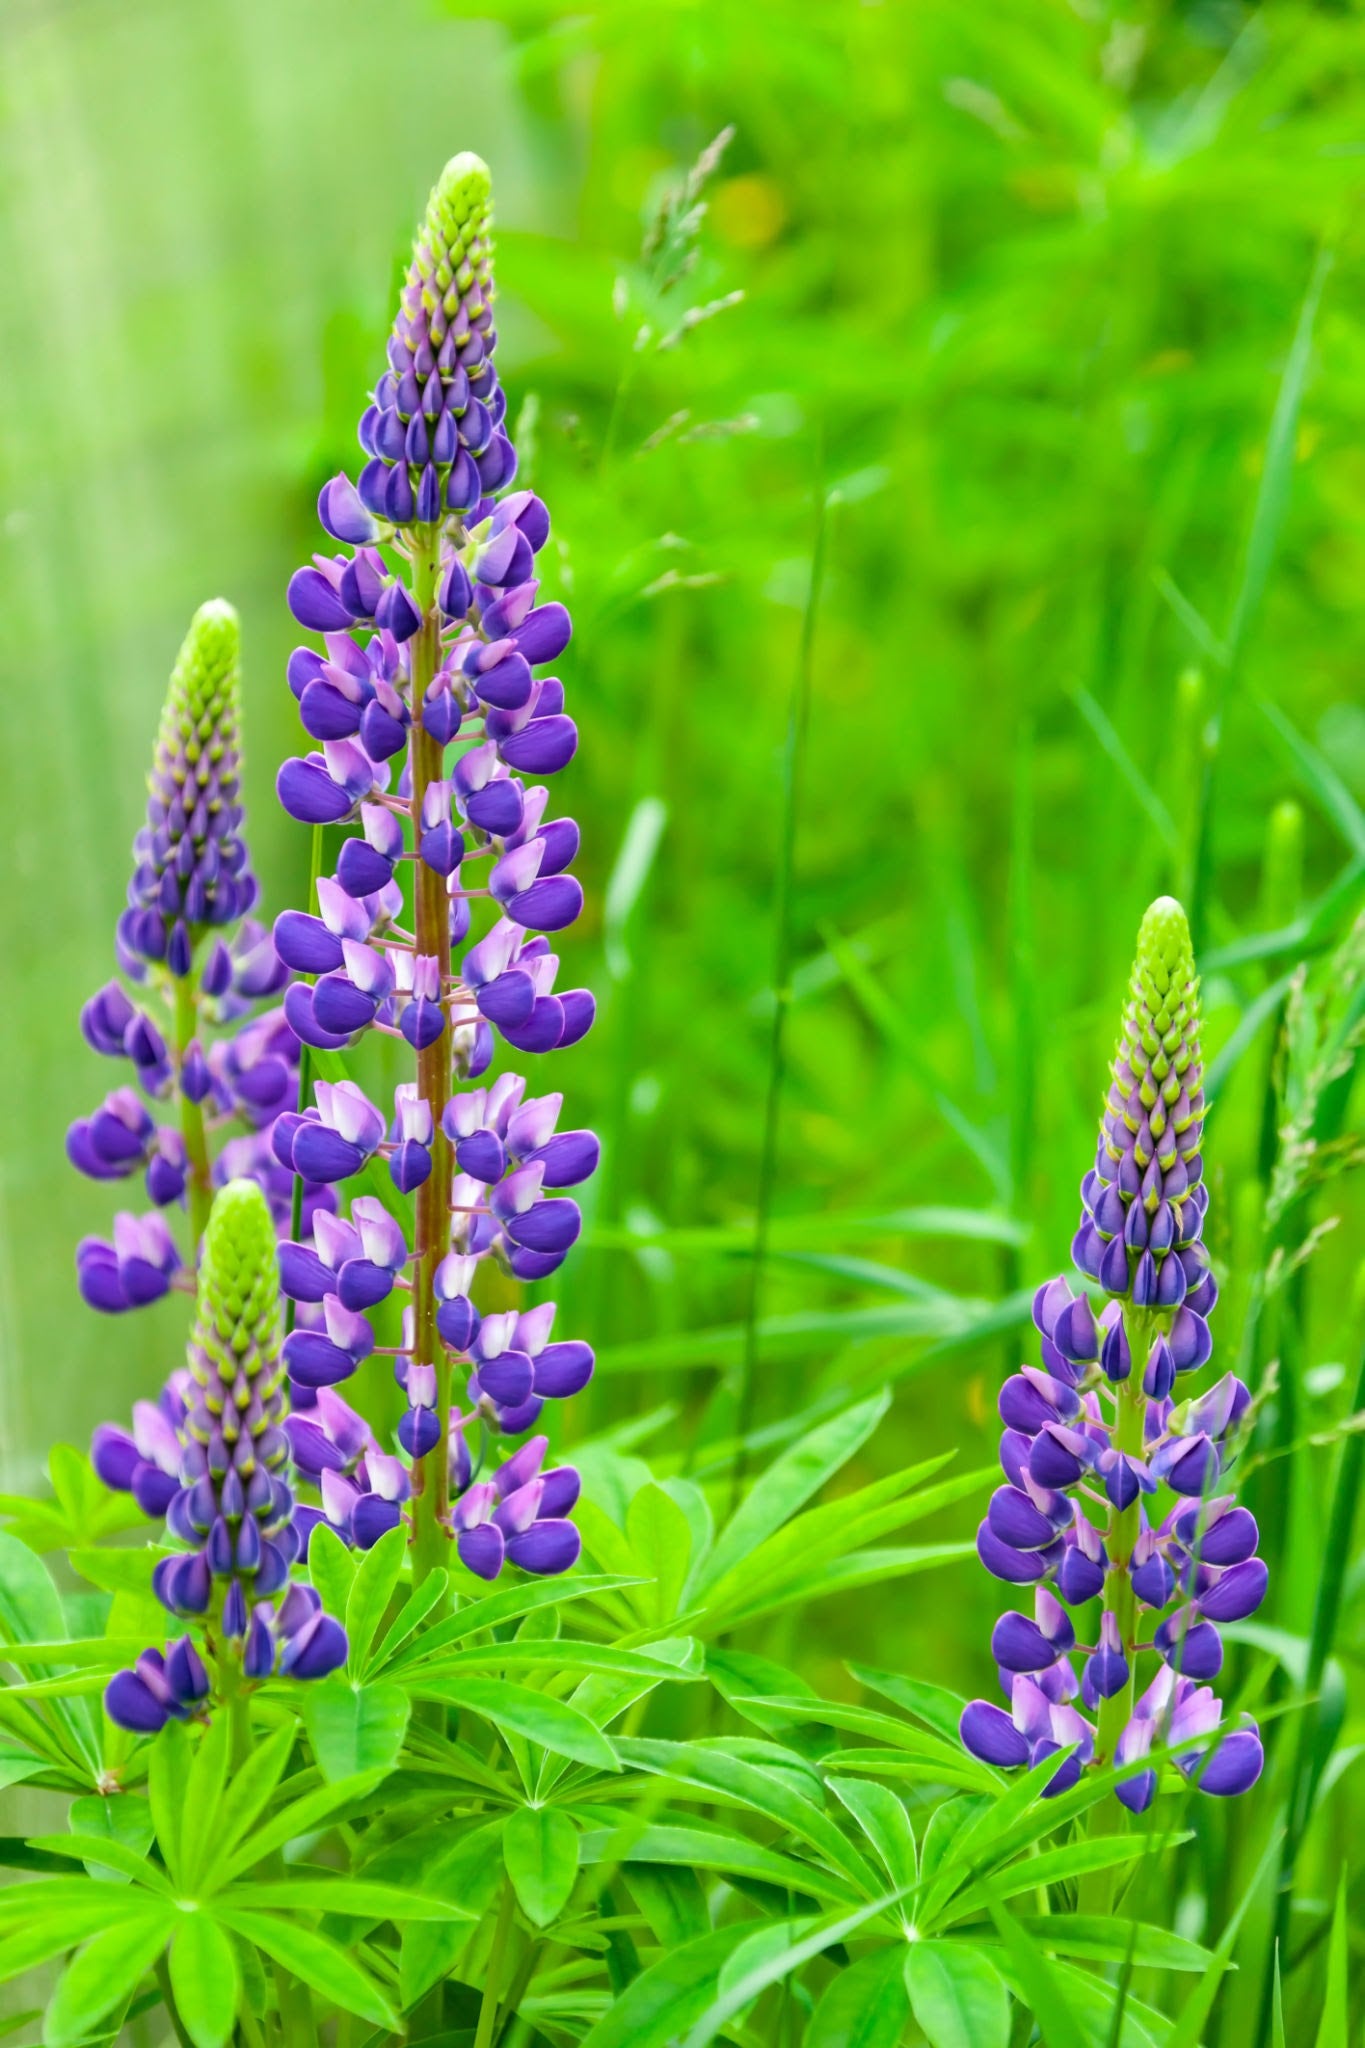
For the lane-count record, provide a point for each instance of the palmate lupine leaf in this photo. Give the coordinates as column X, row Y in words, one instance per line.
column 82, row 1507
column 126, row 1926
column 710, row 1771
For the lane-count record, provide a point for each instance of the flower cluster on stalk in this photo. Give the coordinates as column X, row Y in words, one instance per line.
column 214, row 1458
column 1113, row 1478
column 431, row 722
column 202, row 1106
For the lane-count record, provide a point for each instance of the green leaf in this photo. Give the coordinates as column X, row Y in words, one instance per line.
column 106, row 1852
column 813, row 1546
column 957, row 1996
column 204, row 1980
column 318, row 1962
column 332, row 1568
column 311, row 1891
column 371, row 1591
column 697, row 1848
column 508, row 1604
column 1038, row 1983
column 885, row 1822
column 30, row 1605
column 18, row 1764
column 168, row 1780
column 200, row 1822
column 778, row 1964
column 1334, row 2028
column 938, row 1708
column 300, row 1817
column 253, row 1787
column 556, row 1654
column 766, row 1944
column 1051, row 1866
column 713, row 1770
column 354, row 1728
column 673, row 1901
column 1113, row 1940
column 661, row 1545
column 103, row 1974
column 787, row 1485
column 865, row 2007
column 409, row 1618
column 540, row 1849
column 655, row 2007
column 126, row 1819
column 842, row 1575
column 103, row 1653
column 121, row 1571
column 55, row 1921
column 1277, row 2035
column 945, row 1756
column 552, row 1723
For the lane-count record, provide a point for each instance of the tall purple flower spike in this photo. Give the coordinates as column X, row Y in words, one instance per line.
column 202, row 963
column 1111, row 1490
column 433, row 729
column 213, row 1456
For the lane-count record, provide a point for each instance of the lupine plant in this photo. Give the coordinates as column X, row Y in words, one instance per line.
column 1096, row 1443
column 428, row 647
column 200, row 963
column 357, row 1792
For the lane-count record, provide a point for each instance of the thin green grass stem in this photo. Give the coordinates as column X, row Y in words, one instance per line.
column 793, row 764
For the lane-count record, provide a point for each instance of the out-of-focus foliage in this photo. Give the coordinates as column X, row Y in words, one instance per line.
column 1051, row 350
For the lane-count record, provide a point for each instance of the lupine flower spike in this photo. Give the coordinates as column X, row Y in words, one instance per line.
column 437, row 655
column 216, row 1457
column 188, row 940
column 1113, row 1479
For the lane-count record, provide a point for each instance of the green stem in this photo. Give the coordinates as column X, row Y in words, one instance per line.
column 200, row 1176
column 232, row 1692
column 431, row 911
column 793, row 763
column 485, row 2033
column 1309, row 1755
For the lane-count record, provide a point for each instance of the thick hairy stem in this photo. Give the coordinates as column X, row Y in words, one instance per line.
column 431, row 911
column 200, row 1178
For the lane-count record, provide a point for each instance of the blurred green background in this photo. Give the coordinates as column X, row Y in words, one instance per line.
column 980, row 490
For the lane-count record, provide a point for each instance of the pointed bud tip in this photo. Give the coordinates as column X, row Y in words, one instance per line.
column 215, row 634
column 240, row 1212
column 464, row 186
column 1164, row 935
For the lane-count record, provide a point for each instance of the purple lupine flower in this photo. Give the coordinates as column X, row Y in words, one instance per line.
column 213, row 1456
column 1099, row 1426
column 206, row 966
column 429, row 716
column 191, row 873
